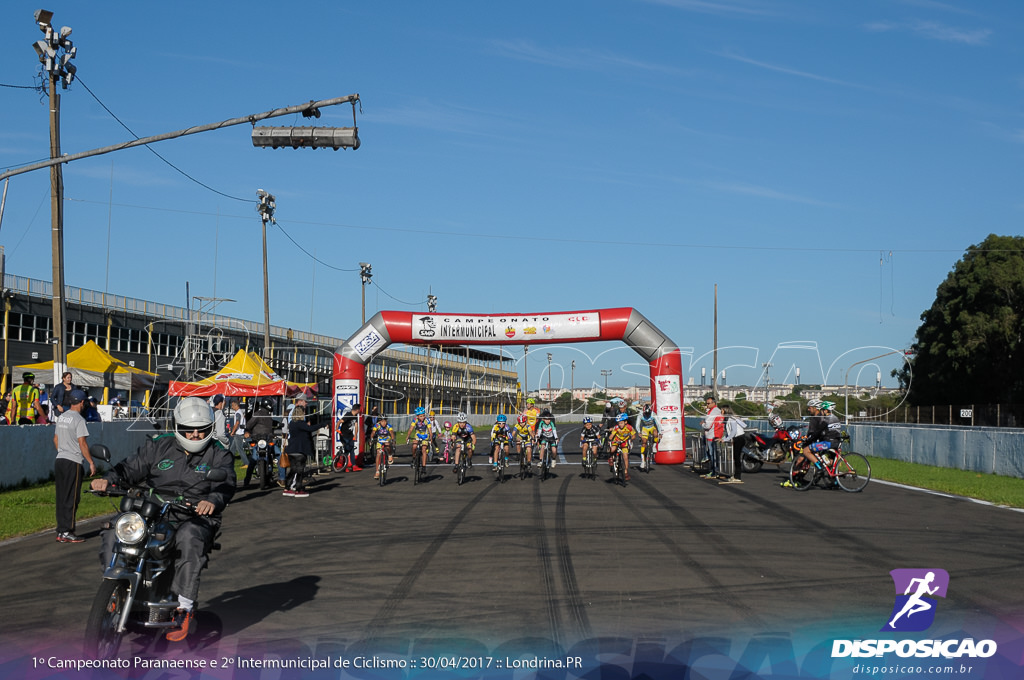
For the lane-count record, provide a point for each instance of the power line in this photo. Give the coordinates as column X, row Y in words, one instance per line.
column 311, row 255
column 573, row 241
column 410, row 304
column 20, row 87
column 172, row 165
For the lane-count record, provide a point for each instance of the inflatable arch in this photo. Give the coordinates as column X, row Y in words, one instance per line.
column 623, row 323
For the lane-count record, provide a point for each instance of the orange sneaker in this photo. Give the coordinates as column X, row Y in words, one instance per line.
column 184, row 619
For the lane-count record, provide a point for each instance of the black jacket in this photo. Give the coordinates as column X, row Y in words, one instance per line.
column 300, row 438
column 260, row 425
column 162, row 464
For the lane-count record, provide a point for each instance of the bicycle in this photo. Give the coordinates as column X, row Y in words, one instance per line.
column 462, row 453
column 544, row 466
column 619, row 471
column 648, row 447
column 525, row 454
column 850, row 471
column 499, row 452
column 418, row 469
column 383, row 453
column 589, row 459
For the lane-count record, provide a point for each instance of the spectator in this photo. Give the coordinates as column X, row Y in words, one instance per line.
column 713, row 432
column 736, row 434
column 299, row 450
column 60, row 398
column 236, row 431
column 72, row 452
column 24, row 407
column 347, row 432
column 220, row 432
column 90, row 412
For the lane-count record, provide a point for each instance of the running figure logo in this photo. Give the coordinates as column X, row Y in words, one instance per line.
column 914, row 608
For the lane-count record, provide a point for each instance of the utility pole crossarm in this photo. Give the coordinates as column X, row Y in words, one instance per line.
column 252, row 119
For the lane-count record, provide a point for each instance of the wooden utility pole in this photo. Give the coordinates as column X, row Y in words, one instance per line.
column 57, row 233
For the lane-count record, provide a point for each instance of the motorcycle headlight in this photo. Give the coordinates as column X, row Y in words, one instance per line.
column 130, row 528
column 262, row 443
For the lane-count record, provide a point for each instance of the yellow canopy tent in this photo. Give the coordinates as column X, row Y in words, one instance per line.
column 246, row 375
column 91, row 366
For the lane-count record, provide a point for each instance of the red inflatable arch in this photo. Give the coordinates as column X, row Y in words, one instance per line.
column 623, row 323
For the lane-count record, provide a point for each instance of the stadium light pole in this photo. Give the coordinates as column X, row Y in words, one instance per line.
column 266, row 207
column 365, row 274
column 572, row 384
column 606, row 372
column 55, row 53
column 550, row 400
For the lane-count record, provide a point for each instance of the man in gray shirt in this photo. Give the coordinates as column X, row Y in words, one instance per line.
column 219, row 421
column 72, row 451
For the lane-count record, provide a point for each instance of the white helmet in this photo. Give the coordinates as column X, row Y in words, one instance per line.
column 462, row 418
column 813, row 403
column 193, row 413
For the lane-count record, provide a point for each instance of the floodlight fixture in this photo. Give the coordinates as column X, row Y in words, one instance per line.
column 65, row 31
column 43, row 17
column 306, row 137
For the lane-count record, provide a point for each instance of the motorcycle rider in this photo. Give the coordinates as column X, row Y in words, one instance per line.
column 260, row 425
column 178, row 463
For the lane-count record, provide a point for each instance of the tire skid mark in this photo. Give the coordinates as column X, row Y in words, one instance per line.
column 574, row 602
column 722, row 592
column 394, row 601
column 547, row 573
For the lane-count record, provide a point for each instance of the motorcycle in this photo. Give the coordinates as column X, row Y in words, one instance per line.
column 135, row 594
column 776, row 450
column 261, row 463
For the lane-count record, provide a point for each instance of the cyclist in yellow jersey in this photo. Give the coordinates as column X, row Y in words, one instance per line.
column 532, row 414
column 501, row 439
column 647, row 424
column 24, row 407
column 419, row 435
column 524, row 438
column 620, row 439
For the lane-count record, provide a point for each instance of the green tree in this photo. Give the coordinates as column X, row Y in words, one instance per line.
column 969, row 346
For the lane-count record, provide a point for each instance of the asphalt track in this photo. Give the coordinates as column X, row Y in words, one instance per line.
column 543, row 567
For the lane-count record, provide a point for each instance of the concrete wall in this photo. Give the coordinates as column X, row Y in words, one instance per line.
column 27, row 451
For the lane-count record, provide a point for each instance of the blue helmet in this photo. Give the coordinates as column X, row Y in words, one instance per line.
column 420, row 411
column 502, row 418
column 587, row 419
column 622, row 417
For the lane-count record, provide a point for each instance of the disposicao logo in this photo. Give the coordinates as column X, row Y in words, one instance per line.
column 914, row 610
column 915, row 605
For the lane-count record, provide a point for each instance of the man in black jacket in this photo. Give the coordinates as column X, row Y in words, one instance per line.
column 176, row 465
column 260, row 425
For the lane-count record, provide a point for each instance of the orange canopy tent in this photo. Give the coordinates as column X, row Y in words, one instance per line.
column 246, row 375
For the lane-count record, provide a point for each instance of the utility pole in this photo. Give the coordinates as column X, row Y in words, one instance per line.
column 365, row 274
column 526, row 372
column 55, row 53
column 606, row 372
column 572, row 384
column 266, row 208
column 714, row 369
column 550, row 399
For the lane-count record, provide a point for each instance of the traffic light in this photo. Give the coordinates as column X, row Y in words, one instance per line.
column 306, row 137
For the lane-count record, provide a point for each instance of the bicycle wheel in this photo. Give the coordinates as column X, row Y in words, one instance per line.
column 460, row 477
column 801, row 475
column 853, row 472
column 544, row 453
column 416, row 466
column 620, row 468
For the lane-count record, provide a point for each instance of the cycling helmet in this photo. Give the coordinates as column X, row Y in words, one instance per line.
column 531, row 400
column 432, row 414
column 622, row 417
column 383, row 416
column 775, row 420
column 502, row 418
column 647, row 411
column 420, row 411
column 813, row 403
column 587, row 419
column 826, row 405
column 193, row 413
column 447, row 424
column 461, row 418
column 522, row 420
column 546, row 414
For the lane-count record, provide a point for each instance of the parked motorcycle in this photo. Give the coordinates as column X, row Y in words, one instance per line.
column 135, row 594
column 775, row 450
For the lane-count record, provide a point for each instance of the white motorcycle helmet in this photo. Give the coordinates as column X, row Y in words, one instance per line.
column 193, row 413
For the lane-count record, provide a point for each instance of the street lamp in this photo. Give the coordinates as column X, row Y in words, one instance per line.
column 767, row 380
column 606, row 372
column 431, row 303
column 365, row 274
column 550, row 400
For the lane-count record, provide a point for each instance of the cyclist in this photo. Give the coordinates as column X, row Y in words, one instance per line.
column 815, row 441
column 501, row 438
column 532, row 413
column 446, row 439
column 611, row 411
column 620, row 439
column 464, row 438
column 383, row 438
column 524, row 438
column 590, row 436
column 435, row 428
column 419, row 435
column 647, row 424
column 547, row 433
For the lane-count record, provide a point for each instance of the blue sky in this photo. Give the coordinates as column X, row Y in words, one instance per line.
column 825, row 164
